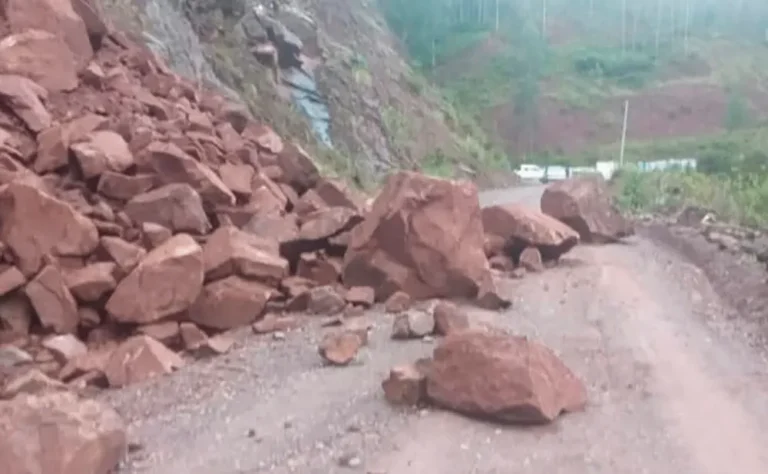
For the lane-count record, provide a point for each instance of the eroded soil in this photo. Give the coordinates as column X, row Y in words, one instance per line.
column 675, row 387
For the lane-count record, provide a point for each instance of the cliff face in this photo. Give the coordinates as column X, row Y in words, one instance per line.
column 328, row 73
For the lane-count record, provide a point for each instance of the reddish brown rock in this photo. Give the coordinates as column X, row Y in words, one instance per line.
column 337, row 194
column 166, row 282
column 502, row 263
column 506, row 378
column 298, row 168
column 175, row 166
column 398, row 302
column 328, row 222
column 123, row 187
column 238, row 178
column 59, row 432
column 52, row 301
column 41, row 57
column 138, row 359
column 325, row 300
column 93, row 17
column 531, row 259
column 166, row 332
column 518, row 227
column 16, row 314
column 192, row 336
column 586, row 205
column 10, row 279
column 54, row 16
column 340, row 348
column 361, row 296
column 102, row 151
column 283, row 229
column 33, row 224
column 65, row 347
column 154, row 235
column 23, row 96
column 438, row 251
column 30, row 382
column 413, row 324
column 125, row 254
column 273, row 323
column 319, row 268
column 229, row 303
column 230, row 251
column 449, row 319
column 406, row 385
column 90, row 283
column 176, row 206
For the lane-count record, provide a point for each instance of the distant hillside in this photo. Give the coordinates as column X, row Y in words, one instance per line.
column 552, row 87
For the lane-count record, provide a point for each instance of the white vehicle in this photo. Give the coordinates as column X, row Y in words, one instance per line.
column 531, row 172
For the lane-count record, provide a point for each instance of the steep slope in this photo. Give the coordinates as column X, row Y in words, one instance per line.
column 342, row 86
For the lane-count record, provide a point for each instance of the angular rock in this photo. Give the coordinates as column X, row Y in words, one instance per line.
column 176, row 206
column 102, row 151
column 398, row 302
column 55, row 307
column 274, row 323
column 438, row 251
column 192, row 336
column 125, row 254
column 449, row 319
column 230, row 251
column 229, row 303
column 123, row 187
column 32, row 224
column 413, row 324
column 175, row 166
column 16, row 313
column 406, row 385
column 361, row 295
column 325, row 300
column 65, row 347
column 58, row 432
column 165, row 332
column 41, row 57
column 54, row 16
column 11, row 356
column 238, row 178
column 505, row 378
column 10, row 279
column 531, row 259
column 335, row 193
column 93, row 17
column 166, row 282
column 22, row 96
column 154, row 235
column 318, row 268
column 518, row 226
column 326, row 223
column 138, row 359
column 298, row 168
column 586, row 205
column 340, row 348
column 31, row 382
column 90, row 283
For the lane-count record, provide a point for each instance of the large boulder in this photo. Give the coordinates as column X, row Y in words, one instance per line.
column 42, row 57
column 586, row 205
column 57, row 433
column 33, row 224
column 505, row 378
column 23, row 96
column 518, row 227
column 423, row 236
column 166, row 282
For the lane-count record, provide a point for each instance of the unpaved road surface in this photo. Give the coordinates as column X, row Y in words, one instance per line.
column 674, row 388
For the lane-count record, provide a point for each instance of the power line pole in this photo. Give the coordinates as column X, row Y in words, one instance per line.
column 624, row 134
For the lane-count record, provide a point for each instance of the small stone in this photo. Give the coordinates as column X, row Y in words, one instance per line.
column 412, row 324
column 340, row 348
column 398, row 302
column 278, row 336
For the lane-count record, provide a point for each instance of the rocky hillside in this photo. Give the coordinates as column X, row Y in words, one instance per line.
column 329, row 73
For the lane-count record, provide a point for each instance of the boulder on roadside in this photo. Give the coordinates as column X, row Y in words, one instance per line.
column 398, row 302
column 166, row 282
column 325, row 300
column 55, row 307
column 586, row 205
column 413, row 324
column 230, row 251
column 340, row 348
column 57, row 432
column 175, row 206
column 515, row 227
column 449, row 318
column 509, row 379
column 424, row 236
column 406, row 385
column 138, row 359
column 230, row 303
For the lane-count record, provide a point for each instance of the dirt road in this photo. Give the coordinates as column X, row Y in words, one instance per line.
column 674, row 388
